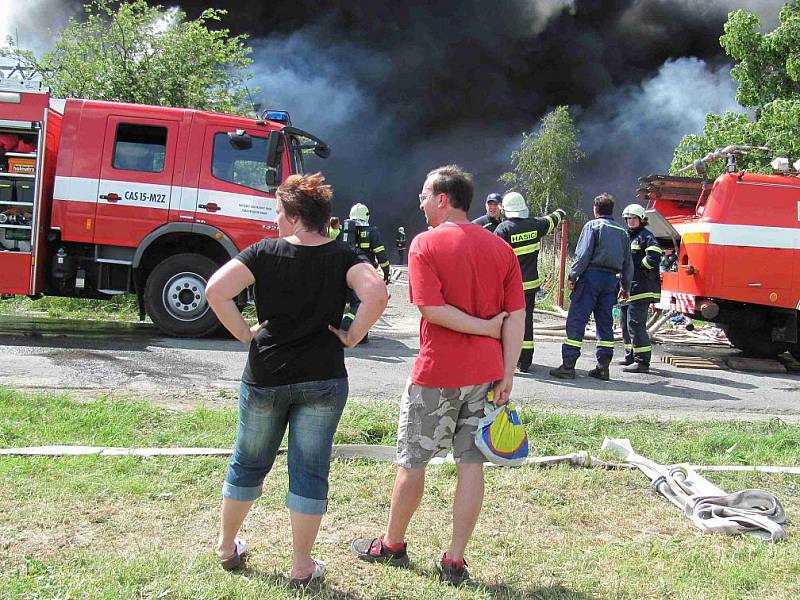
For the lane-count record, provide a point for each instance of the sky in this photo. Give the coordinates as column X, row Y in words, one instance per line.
column 398, row 88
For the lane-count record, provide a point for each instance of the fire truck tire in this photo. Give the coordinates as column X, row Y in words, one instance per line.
column 175, row 299
column 752, row 338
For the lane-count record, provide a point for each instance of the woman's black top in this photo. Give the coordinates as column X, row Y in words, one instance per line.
column 299, row 291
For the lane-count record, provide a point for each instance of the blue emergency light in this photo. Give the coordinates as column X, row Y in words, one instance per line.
column 276, row 115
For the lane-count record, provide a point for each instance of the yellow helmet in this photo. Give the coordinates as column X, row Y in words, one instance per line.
column 360, row 212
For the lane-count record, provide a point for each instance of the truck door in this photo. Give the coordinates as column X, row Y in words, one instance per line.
column 233, row 195
column 135, row 188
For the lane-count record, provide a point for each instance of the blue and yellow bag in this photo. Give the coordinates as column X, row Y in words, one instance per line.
column 501, row 437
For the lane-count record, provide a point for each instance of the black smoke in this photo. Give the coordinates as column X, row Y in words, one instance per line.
column 399, row 88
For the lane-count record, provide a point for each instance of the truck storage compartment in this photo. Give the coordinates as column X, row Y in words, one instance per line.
column 24, row 191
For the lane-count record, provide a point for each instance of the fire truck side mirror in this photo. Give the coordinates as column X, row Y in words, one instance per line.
column 322, row 150
column 240, row 140
column 273, row 144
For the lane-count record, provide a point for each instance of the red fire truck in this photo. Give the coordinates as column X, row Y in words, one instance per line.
column 105, row 198
column 736, row 245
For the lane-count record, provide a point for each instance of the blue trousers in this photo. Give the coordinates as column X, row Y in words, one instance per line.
column 634, row 331
column 595, row 294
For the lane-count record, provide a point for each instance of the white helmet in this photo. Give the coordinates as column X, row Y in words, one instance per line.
column 633, row 210
column 360, row 212
column 514, row 205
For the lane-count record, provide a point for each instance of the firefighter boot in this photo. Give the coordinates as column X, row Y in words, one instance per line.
column 637, row 367
column 627, row 360
column 563, row 372
column 599, row 372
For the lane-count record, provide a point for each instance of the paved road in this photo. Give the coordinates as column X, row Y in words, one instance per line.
column 124, row 359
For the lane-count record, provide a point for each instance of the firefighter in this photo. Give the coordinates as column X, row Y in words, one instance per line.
column 366, row 240
column 603, row 263
column 333, row 228
column 646, row 288
column 400, row 242
column 524, row 234
column 494, row 215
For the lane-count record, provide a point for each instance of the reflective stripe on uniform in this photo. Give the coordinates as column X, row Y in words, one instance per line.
column 645, row 296
column 551, row 225
column 364, row 233
column 646, row 265
column 654, row 249
column 605, row 343
column 573, row 343
column 379, row 249
column 364, row 245
column 532, row 285
column 489, row 224
column 642, row 350
column 527, row 249
column 628, row 346
column 527, row 345
column 350, row 316
column 615, row 227
column 385, row 264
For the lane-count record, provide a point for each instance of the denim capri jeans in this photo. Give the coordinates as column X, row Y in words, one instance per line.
column 311, row 410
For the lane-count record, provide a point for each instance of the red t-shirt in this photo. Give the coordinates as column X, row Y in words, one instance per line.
column 472, row 269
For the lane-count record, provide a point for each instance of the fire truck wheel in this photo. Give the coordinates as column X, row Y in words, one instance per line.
column 751, row 336
column 175, row 296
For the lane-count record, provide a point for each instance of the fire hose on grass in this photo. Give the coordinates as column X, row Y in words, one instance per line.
column 753, row 511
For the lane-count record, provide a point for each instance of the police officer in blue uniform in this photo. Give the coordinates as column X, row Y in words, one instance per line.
column 646, row 288
column 364, row 239
column 603, row 254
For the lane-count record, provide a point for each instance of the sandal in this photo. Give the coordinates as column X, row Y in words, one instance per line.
column 236, row 561
column 317, row 574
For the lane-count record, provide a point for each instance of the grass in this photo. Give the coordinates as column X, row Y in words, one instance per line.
column 123, row 527
column 118, row 308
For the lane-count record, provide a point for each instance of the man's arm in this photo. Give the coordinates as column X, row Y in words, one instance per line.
column 456, row 319
column 511, row 338
column 380, row 253
column 554, row 219
column 583, row 252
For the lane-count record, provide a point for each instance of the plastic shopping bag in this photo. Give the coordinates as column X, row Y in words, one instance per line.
column 501, row 438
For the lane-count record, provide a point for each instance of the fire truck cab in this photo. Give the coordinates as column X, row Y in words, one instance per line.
column 736, row 253
column 106, row 198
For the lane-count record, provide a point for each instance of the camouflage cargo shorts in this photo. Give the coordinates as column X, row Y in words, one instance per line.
column 432, row 420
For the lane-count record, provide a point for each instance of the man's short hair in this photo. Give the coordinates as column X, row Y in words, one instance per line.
column 456, row 183
column 604, row 203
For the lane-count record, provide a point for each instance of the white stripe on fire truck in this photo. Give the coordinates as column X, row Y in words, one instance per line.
column 245, row 206
column 723, row 234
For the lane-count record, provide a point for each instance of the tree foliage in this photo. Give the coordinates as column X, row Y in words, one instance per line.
column 132, row 52
column 767, row 68
column 544, row 165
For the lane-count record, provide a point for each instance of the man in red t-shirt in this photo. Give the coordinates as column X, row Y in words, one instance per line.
column 467, row 285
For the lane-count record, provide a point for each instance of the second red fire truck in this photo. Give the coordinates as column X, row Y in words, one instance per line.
column 102, row 198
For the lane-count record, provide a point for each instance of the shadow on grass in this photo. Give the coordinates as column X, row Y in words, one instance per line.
column 317, row 589
column 506, row 592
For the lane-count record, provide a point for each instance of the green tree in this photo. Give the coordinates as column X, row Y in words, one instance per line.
column 767, row 68
column 544, row 165
column 132, row 52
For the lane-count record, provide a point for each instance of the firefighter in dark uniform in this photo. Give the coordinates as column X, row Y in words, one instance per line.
column 366, row 240
column 494, row 215
column 400, row 243
column 603, row 264
column 524, row 234
column 646, row 288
